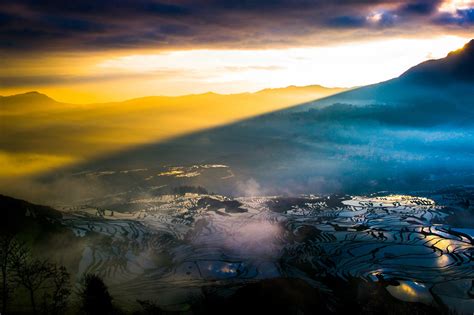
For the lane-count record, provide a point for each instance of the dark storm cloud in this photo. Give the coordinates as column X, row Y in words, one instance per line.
column 118, row 8
column 461, row 18
column 347, row 21
column 51, row 25
column 425, row 7
column 176, row 29
column 72, row 24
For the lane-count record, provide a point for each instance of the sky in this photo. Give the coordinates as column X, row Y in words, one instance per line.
column 98, row 51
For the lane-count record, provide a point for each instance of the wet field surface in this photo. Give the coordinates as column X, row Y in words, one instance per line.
column 418, row 247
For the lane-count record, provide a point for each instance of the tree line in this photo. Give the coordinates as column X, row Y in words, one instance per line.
column 39, row 286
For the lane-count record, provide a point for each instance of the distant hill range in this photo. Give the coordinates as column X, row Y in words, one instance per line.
column 35, row 100
column 39, row 134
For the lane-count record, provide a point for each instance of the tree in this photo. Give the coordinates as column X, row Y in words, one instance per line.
column 95, row 296
column 56, row 298
column 37, row 276
column 149, row 308
column 33, row 275
column 10, row 251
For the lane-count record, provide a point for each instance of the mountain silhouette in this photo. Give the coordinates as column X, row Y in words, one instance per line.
column 457, row 67
column 28, row 96
column 30, row 101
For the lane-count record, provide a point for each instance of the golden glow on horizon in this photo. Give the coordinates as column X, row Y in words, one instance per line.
column 119, row 76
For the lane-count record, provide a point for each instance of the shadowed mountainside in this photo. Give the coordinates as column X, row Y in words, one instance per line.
column 457, row 67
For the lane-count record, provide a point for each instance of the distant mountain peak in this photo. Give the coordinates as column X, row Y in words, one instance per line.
column 467, row 49
column 29, row 101
column 457, row 66
column 32, row 96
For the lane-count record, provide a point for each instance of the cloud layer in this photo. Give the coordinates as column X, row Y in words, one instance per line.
column 91, row 25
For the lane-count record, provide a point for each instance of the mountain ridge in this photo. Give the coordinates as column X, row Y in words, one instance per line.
column 30, row 95
column 458, row 65
column 454, row 61
column 38, row 96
